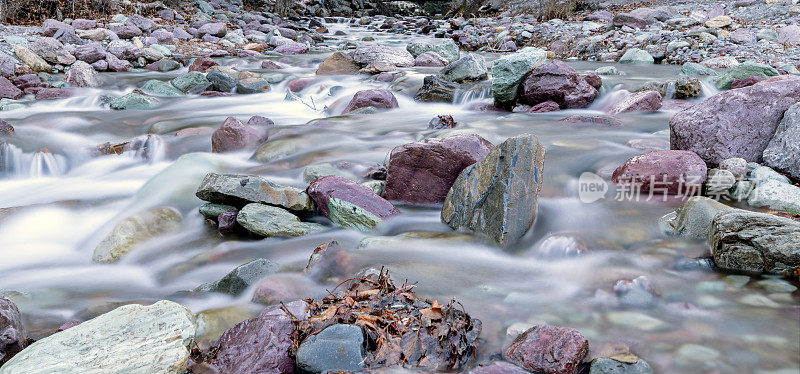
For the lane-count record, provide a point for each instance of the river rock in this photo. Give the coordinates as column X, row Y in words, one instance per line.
column 12, row 332
column 636, row 56
column 218, row 29
column 221, row 82
column 135, row 230
column 498, row 367
column 349, row 204
column 261, row 344
column 8, row 90
column 115, row 64
column 201, row 64
column 52, row 51
column 435, row 89
column 423, row 172
column 238, row 190
column 233, row 135
column 82, row 74
column 498, row 197
column 32, row 59
column 736, row 123
column 556, row 81
column 212, row 323
column 666, row 172
column 445, row 47
column 747, row 241
column 268, row 220
column 191, row 82
column 693, row 69
column 775, row 195
column 134, row 101
column 548, row 349
column 681, row 88
column 90, row 52
column 239, row 279
column 131, row 338
column 783, row 151
column 745, row 70
column 156, row 87
column 471, row 67
column 430, row 59
column 212, row 210
column 630, row 20
column 645, row 101
column 124, row 50
column 509, row 71
column 371, row 98
column 719, row 22
column 312, row 172
column 337, row 348
column 338, row 63
column 380, row 54
column 51, row 26
column 605, row 365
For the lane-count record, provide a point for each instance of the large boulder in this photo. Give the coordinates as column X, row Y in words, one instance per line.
column 509, row 71
column 381, row 54
column 239, row 190
column 233, row 135
column 558, row 82
column 445, row 47
column 753, row 242
column 82, row 74
column 735, row 123
column 12, row 332
column 377, row 98
column 52, row 51
column 131, row 338
column 261, row 344
column 548, row 349
column 498, row 197
column 268, row 220
column 423, row 172
column 745, row 70
column 471, row 67
column 783, row 151
column 338, row 63
column 134, row 230
column 350, row 204
column 663, row 172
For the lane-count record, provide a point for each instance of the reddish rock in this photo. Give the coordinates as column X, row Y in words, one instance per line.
column 545, row 107
column 67, row 325
column 745, row 82
column 430, row 59
column 260, row 121
column 8, row 90
column 299, row 84
column 333, row 186
column 28, row 80
column 558, row 82
column 12, row 331
column 261, row 344
column 423, row 172
column 735, row 123
column 202, row 64
column 498, row 367
column 226, row 222
column 666, row 172
column 233, row 135
column 548, row 349
column 627, row 19
column 329, row 261
column 53, row 93
column 645, row 101
column 267, row 64
column 292, row 48
column 374, row 98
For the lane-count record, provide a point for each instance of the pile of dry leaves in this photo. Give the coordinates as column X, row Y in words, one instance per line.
column 401, row 328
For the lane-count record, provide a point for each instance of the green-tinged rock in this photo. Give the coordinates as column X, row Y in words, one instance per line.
column 376, row 186
column 267, row 220
column 776, row 285
column 508, row 72
column 745, row 70
column 312, row 172
column 252, row 85
column 212, row 323
column 637, row 320
column 775, row 195
column 471, row 67
column 693, row 218
column 134, row 101
column 606, row 365
column 159, row 88
column 191, row 82
column 239, row 279
column 445, row 47
column 742, row 240
column 211, row 210
column 636, row 56
column 693, row 69
column 498, row 196
column 237, row 190
column 404, row 238
column 681, row 88
column 134, row 230
column 337, row 348
column 129, row 339
column 346, row 214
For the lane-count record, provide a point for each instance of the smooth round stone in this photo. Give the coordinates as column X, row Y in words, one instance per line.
column 696, row 356
column 776, row 285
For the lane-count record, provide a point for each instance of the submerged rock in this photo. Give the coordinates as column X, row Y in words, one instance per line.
column 775, row 195
column 548, row 349
column 134, row 230
column 268, row 220
column 371, row 98
column 12, row 332
column 381, row 54
column 235, row 189
column 134, row 101
column 498, row 367
column 349, row 204
column 131, row 338
column 337, row 348
column 605, row 365
column 233, row 135
column 239, row 279
column 423, row 172
column 645, row 101
column 747, row 241
column 498, row 197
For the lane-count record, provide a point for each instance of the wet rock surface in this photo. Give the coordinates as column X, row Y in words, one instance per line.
column 548, row 349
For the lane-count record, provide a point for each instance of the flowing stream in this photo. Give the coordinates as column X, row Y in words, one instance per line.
column 58, row 200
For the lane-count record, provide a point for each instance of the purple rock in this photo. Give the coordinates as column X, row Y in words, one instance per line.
column 226, row 222
column 423, row 172
column 558, row 82
column 53, row 93
column 745, row 82
column 431, row 59
column 218, row 29
column 116, row 64
column 124, row 50
column 126, row 32
column 292, row 48
column 260, row 121
column 84, row 24
column 545, row 107
column 233, row 135
column 374, row 98
column 28, row 80
column 645, row 101
column 202, row 64
column 627, row 19
column 50, row 26
column 8, row 90
column 90, row 53
column 333, row 186
column 101, row 65
column 789, row 35
column 667, row 172
column 548, row 349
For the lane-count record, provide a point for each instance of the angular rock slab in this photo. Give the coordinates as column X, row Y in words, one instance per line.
column 754, row 242
column 268, row 220
column 736, row 123
column 241, row 278
column 130, row 339
column 783, row 151
column 134, row 230
column 235, row 189
column 348, row 203
column 548, row 349
column 423, row 172
column 498, row 197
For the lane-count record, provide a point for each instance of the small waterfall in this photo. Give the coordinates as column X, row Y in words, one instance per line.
column 612, row 96
column 463, row 96
column 44, row 163
column 708, row 89
column 14, row 163
column 11, row 160
column 149, row 147
column 669, row 92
